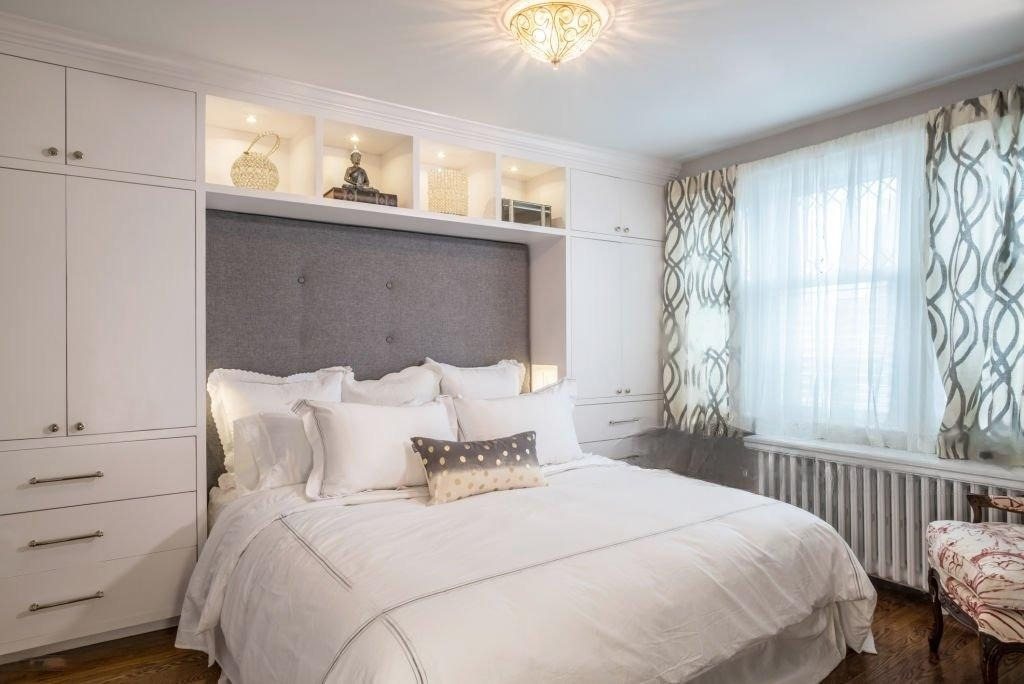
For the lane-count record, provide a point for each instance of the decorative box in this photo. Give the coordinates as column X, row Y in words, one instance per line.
column 367, row 196
column 530, row 213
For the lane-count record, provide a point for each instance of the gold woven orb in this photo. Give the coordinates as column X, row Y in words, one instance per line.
column 254, row 170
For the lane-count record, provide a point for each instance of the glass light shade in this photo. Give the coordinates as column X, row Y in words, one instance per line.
column 556, row 32
column 542, row 375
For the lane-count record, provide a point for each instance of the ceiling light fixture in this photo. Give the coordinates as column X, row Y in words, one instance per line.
column 555, row 32
column 354, row 138
column 251, row 119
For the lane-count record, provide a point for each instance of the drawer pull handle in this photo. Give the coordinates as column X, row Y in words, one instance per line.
column 623, row 421
column 65, row 478
column 60, row 540
column 43, row 606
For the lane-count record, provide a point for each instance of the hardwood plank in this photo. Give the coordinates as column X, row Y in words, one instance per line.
column 902, row 623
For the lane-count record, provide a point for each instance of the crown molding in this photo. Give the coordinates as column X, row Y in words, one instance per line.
column 39, row 40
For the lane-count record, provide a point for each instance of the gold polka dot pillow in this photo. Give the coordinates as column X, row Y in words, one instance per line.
column 456, row 470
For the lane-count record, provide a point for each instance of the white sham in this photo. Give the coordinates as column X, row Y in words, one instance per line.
column 548, row 412
column 235, row 394
column 360, row 447
column 503, row 379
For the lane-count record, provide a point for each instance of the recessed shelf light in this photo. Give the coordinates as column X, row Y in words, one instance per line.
column 513, row 168
column 440, row 154
column 250, row 119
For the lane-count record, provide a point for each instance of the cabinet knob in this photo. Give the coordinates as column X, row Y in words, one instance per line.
column 627, row 390
column 78, row 154
column 618, row 391
column 51, row 151
column 625, row 230
column 79, row 426
column 618, row 229
column 53, row 427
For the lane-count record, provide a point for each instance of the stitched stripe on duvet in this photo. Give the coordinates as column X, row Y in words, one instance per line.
column 550, row 561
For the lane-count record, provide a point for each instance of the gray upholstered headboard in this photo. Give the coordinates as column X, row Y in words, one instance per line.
column 285, row 296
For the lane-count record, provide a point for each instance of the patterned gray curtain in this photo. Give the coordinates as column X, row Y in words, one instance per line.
column 975, row 286
column 695, row 323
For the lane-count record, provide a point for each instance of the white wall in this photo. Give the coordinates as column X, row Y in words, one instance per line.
column 860, row 119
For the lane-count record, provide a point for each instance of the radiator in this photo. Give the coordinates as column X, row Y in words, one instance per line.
column 880, row 508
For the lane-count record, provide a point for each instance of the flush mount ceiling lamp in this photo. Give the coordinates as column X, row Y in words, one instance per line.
column 556, row 32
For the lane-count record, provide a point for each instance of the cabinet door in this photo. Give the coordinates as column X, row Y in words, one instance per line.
column 123, row 125
column 641, row 317
column 595, row 202
column 643, row 210
column 31, row 110
column 32, row 344
column 596, row 318
column 131, row 307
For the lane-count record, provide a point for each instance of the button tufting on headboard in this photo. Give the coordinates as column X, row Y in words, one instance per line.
column 462, row 301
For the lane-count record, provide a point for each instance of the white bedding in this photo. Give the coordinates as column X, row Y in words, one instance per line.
column 611, row 573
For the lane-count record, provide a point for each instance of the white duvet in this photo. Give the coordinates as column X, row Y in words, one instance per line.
column 611, row 573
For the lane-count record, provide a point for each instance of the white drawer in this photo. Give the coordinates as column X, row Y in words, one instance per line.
column 126, row 591
column 46, row 540
column 626, row 447
column 130, row 470
column 597, row 422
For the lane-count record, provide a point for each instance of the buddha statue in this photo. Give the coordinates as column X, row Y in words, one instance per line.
column 355, row 175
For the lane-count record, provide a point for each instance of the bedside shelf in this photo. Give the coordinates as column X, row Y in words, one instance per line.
column 229, row 198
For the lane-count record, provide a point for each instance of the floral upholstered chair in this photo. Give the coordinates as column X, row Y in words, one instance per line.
column 977, row 575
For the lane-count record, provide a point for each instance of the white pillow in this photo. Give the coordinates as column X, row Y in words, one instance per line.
column 548, row 412
column 276, row 444
column 414, row 385
column 357, row 447
column 503, row 379
column 236, row 394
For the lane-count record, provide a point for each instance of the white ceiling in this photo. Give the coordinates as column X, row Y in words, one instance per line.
column 670, row 78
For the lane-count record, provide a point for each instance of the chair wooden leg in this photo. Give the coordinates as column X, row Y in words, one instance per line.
column 991, row 654
column 937, row 622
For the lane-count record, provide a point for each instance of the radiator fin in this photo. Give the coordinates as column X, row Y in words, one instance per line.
column 881, row 513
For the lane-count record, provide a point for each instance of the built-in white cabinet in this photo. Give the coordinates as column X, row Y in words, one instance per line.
column 97, row 292
column 131, row 307
column 124, row 125
column 32, row 305
column 616, row 206
column 616, row 311
column 99, row 311
column 641, row 282
column 596, row 306
column 81, row 118
column 32, row 111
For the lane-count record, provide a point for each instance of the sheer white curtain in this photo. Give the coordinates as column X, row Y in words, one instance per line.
column 830, row 336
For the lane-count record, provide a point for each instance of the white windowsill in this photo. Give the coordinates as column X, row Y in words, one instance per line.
column 894, row 459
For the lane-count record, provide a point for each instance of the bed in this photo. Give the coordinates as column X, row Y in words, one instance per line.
column 610, row 573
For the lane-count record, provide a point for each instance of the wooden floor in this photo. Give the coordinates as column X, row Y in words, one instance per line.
column 902, row 622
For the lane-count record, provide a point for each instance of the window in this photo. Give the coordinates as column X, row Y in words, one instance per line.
column 830, row 339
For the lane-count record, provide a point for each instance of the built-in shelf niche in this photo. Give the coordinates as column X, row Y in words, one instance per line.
column 530, row 181
column 479, row 167
column 231, row 126
column 386, row 157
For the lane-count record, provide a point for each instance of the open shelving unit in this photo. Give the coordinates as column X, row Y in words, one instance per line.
column 386, row 157
column 231, row 125
column 530, row 181
column 315, row 152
